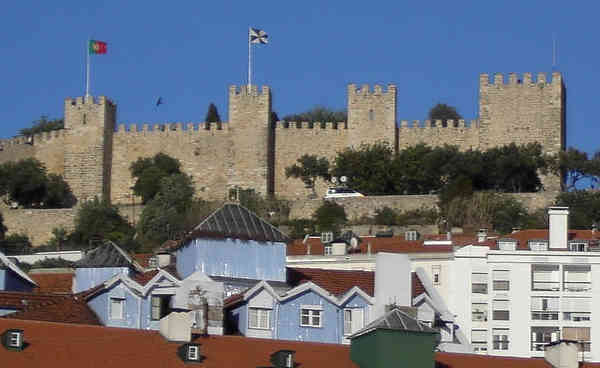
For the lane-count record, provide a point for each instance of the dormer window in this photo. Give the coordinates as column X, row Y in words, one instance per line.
column 190, row 353
column 326, row 237
column 13, row 339
column 578, row 246
column 411, row 235
column 538, row 245
column 507, row 244
column 152, row 262
column 283, row 359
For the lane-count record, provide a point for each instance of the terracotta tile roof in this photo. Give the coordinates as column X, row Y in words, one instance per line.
column 58, row 283
column 233, row 299
column 417, row 285
column 48, row 307
column 524, row 236
column 142, row 258
column 454, row 360
column 337, row 282
column 394, row 244
column 64, row 346
column 143, row 278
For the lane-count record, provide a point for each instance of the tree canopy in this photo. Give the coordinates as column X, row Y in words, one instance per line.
column 149, row 171
column 2, row 227
column 578, row 168
column 27, row 183
column 584, row 207
column 212, row 115
column 309, row 168
column 98, row 220
column 444, row 113
column 318, row 114
column 43, row 125
column 330, row 216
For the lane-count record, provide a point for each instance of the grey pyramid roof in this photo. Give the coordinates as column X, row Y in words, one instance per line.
column 235, row 221
column 107, row 255
column 396, row 320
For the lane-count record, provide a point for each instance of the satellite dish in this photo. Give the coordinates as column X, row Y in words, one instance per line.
column 354, row 243
column 343, row 179
column 334, row 180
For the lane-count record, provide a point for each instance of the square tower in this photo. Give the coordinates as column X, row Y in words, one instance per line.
column 371, row 115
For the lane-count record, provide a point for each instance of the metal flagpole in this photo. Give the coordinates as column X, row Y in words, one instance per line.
column 87, row 78
column 249, row 61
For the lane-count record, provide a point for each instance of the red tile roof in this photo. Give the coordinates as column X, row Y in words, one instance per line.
column 145, row 277
column 524, row 236
column 142, row 258
column 58, row 283
column 48, row 307
column 64, row 346
column 417, row 285
column 453, row 360
column 394, row 244
column 337, row 282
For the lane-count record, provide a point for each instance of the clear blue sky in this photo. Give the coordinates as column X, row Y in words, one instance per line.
column 189, row 52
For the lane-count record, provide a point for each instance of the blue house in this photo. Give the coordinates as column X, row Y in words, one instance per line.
column 317, row 305
column 12, row 278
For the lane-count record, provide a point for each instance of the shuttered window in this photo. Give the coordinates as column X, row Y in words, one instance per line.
column 500, row 310
column 259, row 318
column 479, row 283
column 580, row 334
column 500, row 338
column 116, row 308
column 501, row 280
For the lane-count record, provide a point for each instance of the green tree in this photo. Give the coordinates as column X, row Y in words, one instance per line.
column 386, row 216
column 58, row 193
column 27, row 181
column 212, row 115
column 308, row 168
column 318, row 114
column 584, row 207
column 300, row 227
column 3, row 228
column 367, row 167
column 59, row 238
column 330, row 216
column 98, row 220
column 43, row 125
column 15, row 244
column 149, row 172
column 164, row 217
column 444, row 113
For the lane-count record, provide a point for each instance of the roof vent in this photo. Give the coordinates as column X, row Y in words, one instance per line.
column 190, row 353
column 13, row 339
column 283, row 359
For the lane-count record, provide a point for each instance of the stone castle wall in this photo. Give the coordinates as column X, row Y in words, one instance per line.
column 38, row 224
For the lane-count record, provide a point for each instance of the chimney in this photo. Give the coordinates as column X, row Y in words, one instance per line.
column 396, row 267
column 308, row 249
column 177, row 326
column 163, row 259
column 594, row 228
column 482, row 235
column 562, row 354
column 449, row 235
column 516, row 229
column 559, row 227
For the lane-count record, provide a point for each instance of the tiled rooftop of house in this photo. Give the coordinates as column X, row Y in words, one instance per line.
column 417, row 286
column 62, row 345
column 337, row 282
column 52, row 282
column 454, row 360
column 143, row 278
column 524, row 236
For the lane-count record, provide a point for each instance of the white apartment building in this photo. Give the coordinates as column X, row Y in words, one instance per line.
column 509, row 295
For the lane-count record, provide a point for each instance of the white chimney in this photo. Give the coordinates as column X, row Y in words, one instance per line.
column 562, row 354
column 482, row 235
column 559, row 227
column 177, row 326
column 338, row 249
column 163, row 259
column 392, row 281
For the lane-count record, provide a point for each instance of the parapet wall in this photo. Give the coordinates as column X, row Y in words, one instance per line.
column 38, row 224
column 436, row 133
column 47, row 147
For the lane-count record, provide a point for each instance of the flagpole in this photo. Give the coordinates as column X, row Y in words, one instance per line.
column 87, row 78
column 249, row 61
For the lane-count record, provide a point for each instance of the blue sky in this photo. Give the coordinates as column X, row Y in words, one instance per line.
column 189, row 52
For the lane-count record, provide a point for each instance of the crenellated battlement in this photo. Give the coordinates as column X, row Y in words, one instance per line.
column 245, row 90
column 449, row 124
column 365, row 90
column 514, row 79
column 38, row 138
column 88, row 100
column 311, row 125
column 170, row 128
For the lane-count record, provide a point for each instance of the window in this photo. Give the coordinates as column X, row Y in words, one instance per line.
column 544, row 308
column 411, row 235
column 310, row 317
column 353, row 320
column 327, row 250
column 501, row 280
column 479, row 340
column 436, row 271
column 326, row 237
column 541, row 336
column 192, row 352
column 500, row 338
column 14, row 339
column 259, row 318
column 507, row 244
column 152, row 262
column 371, row 115
column 500, row 310
column 576, row 309
column 479, row 312
column 479, row 283
column 116, row 308
column 538, row 245
column 160, row 306
column 578, row 246
column 579, row 334
column 577, row 278
column 545, row 277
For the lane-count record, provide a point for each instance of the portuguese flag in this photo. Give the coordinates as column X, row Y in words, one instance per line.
column 97, row 47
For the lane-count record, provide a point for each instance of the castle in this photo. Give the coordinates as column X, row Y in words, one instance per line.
column 250, row 151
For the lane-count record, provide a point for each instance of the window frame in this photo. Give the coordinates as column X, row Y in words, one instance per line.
column 497, row 312
column 260, row 311
column 121, row 302
column 498, row 344
column 161, row 309
column 193, row 352
column 311, row 314
column 485, row 285
column 14, row 339
column 485, row 313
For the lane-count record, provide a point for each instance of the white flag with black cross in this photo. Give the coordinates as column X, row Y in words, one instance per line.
column 255, row 35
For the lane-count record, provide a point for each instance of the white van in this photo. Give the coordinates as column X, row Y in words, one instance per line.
column 340, row 192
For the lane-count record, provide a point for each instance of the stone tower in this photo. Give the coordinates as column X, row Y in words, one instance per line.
column 89, row 127
column 249, row 114
column 371, row 115
column 524, row 111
